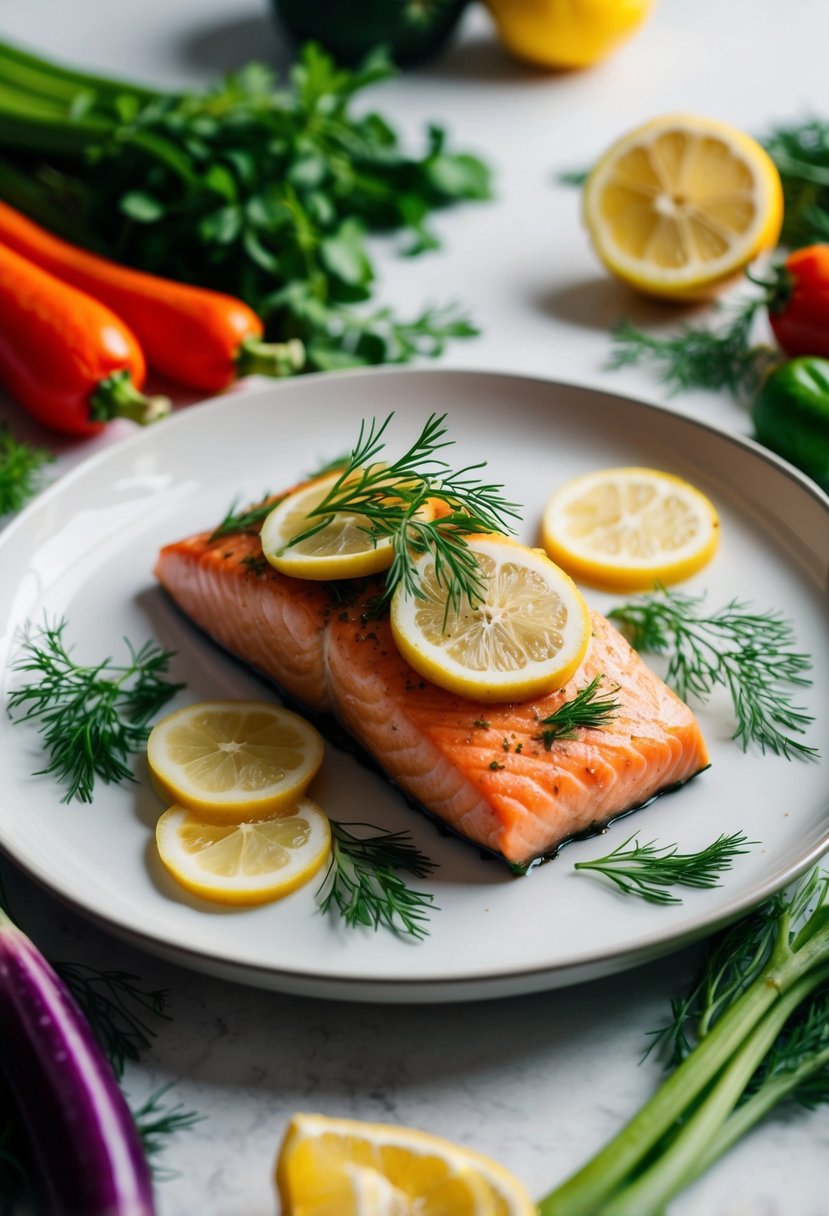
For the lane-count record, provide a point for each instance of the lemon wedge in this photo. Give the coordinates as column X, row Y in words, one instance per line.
column 233, row 760
column 342, row 1167
column 527, row 636
column 626, row 529
column 342, row 549
column 244, row 863
column 679, row 207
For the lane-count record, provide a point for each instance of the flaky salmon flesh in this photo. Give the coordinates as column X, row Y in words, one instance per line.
column 482, row 769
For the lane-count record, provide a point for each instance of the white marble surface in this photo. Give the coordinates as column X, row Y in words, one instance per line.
column 540, row 1081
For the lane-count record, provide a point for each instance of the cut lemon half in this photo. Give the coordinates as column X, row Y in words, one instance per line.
column 341, row 1167
column 526, row 637
column 678, row 207
column 233, row 759
column 244, row 863
column 626, row 529
column 343, row 548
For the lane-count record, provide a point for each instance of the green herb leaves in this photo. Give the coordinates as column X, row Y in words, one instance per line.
column 20, row 468
column 801, row 153
column 588, row 708
column 264, row 192
column 698, row 357
column 363, row 883
column 649, row 870
column 750, row 654
column 390, row 497
column 91, row 719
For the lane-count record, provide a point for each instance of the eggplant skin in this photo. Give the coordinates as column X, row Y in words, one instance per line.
column 84, row 1145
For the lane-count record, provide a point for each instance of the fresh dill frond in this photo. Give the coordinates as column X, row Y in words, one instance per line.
column 250, row 520
column 20, row 468
column 801, row 153
column 156, row 1121
column 748, row 653
column 90, row 719
column 391, row 495
column 651, row 870
column 588, row 708
column 363, row 880
column 697, row 356
column 572, row 177
column 116, row 1006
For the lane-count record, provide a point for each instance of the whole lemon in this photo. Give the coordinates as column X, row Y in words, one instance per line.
column 566, row 33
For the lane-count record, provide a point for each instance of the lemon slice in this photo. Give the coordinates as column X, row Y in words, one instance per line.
column 342, row 1167
column 244, row 863
column 626, row 529
column 527, row 637
column 680, row 206
column 342, row 549
column 233, row 760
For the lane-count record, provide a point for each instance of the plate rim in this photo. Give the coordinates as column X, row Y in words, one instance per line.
column 482, row 983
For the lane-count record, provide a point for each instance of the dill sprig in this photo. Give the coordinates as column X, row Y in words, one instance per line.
column 116, row 1007
column 156, row 1121
column 801, row 153
column 389, row 496
column 587, row 709
column 250, row 520
column 748, row 653
column 91, row 719
column 20, row 466
column 650, row 870
column 697, row 356
column 363, row 880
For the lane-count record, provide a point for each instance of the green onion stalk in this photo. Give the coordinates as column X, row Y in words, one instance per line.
column 763, row 1037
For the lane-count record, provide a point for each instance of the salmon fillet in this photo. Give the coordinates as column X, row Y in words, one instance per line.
column 481, row 769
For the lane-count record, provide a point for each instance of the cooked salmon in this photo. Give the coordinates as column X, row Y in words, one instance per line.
column 482, row 769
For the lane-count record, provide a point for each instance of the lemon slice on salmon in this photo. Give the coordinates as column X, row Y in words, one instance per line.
column 678, row 207
column 342, row 1167
column 626, row 529
column 233, row 760
column 342, row 548
column 527, row 636
column 244, row 863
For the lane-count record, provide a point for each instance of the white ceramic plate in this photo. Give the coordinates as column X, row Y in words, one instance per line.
column 85, row 550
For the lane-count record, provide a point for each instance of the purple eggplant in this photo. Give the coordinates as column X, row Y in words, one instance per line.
column 86, row 1151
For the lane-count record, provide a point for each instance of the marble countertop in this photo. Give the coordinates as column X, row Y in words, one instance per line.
column 540, row 1081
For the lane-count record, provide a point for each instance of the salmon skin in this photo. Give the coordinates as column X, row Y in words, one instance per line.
column 482, row 769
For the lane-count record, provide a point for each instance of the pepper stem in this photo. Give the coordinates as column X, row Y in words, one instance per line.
column 118, row 397
column 257, row 358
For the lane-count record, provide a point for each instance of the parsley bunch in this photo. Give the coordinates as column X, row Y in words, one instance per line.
column 265, row 192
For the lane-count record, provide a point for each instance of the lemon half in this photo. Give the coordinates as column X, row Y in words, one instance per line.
column 628, row 528
column 527, row 636
column 244, row 863
column 342, row 1167
column 233, row 760
column 680, row 206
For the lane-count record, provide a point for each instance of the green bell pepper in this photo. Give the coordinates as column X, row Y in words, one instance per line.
column 791, row 415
